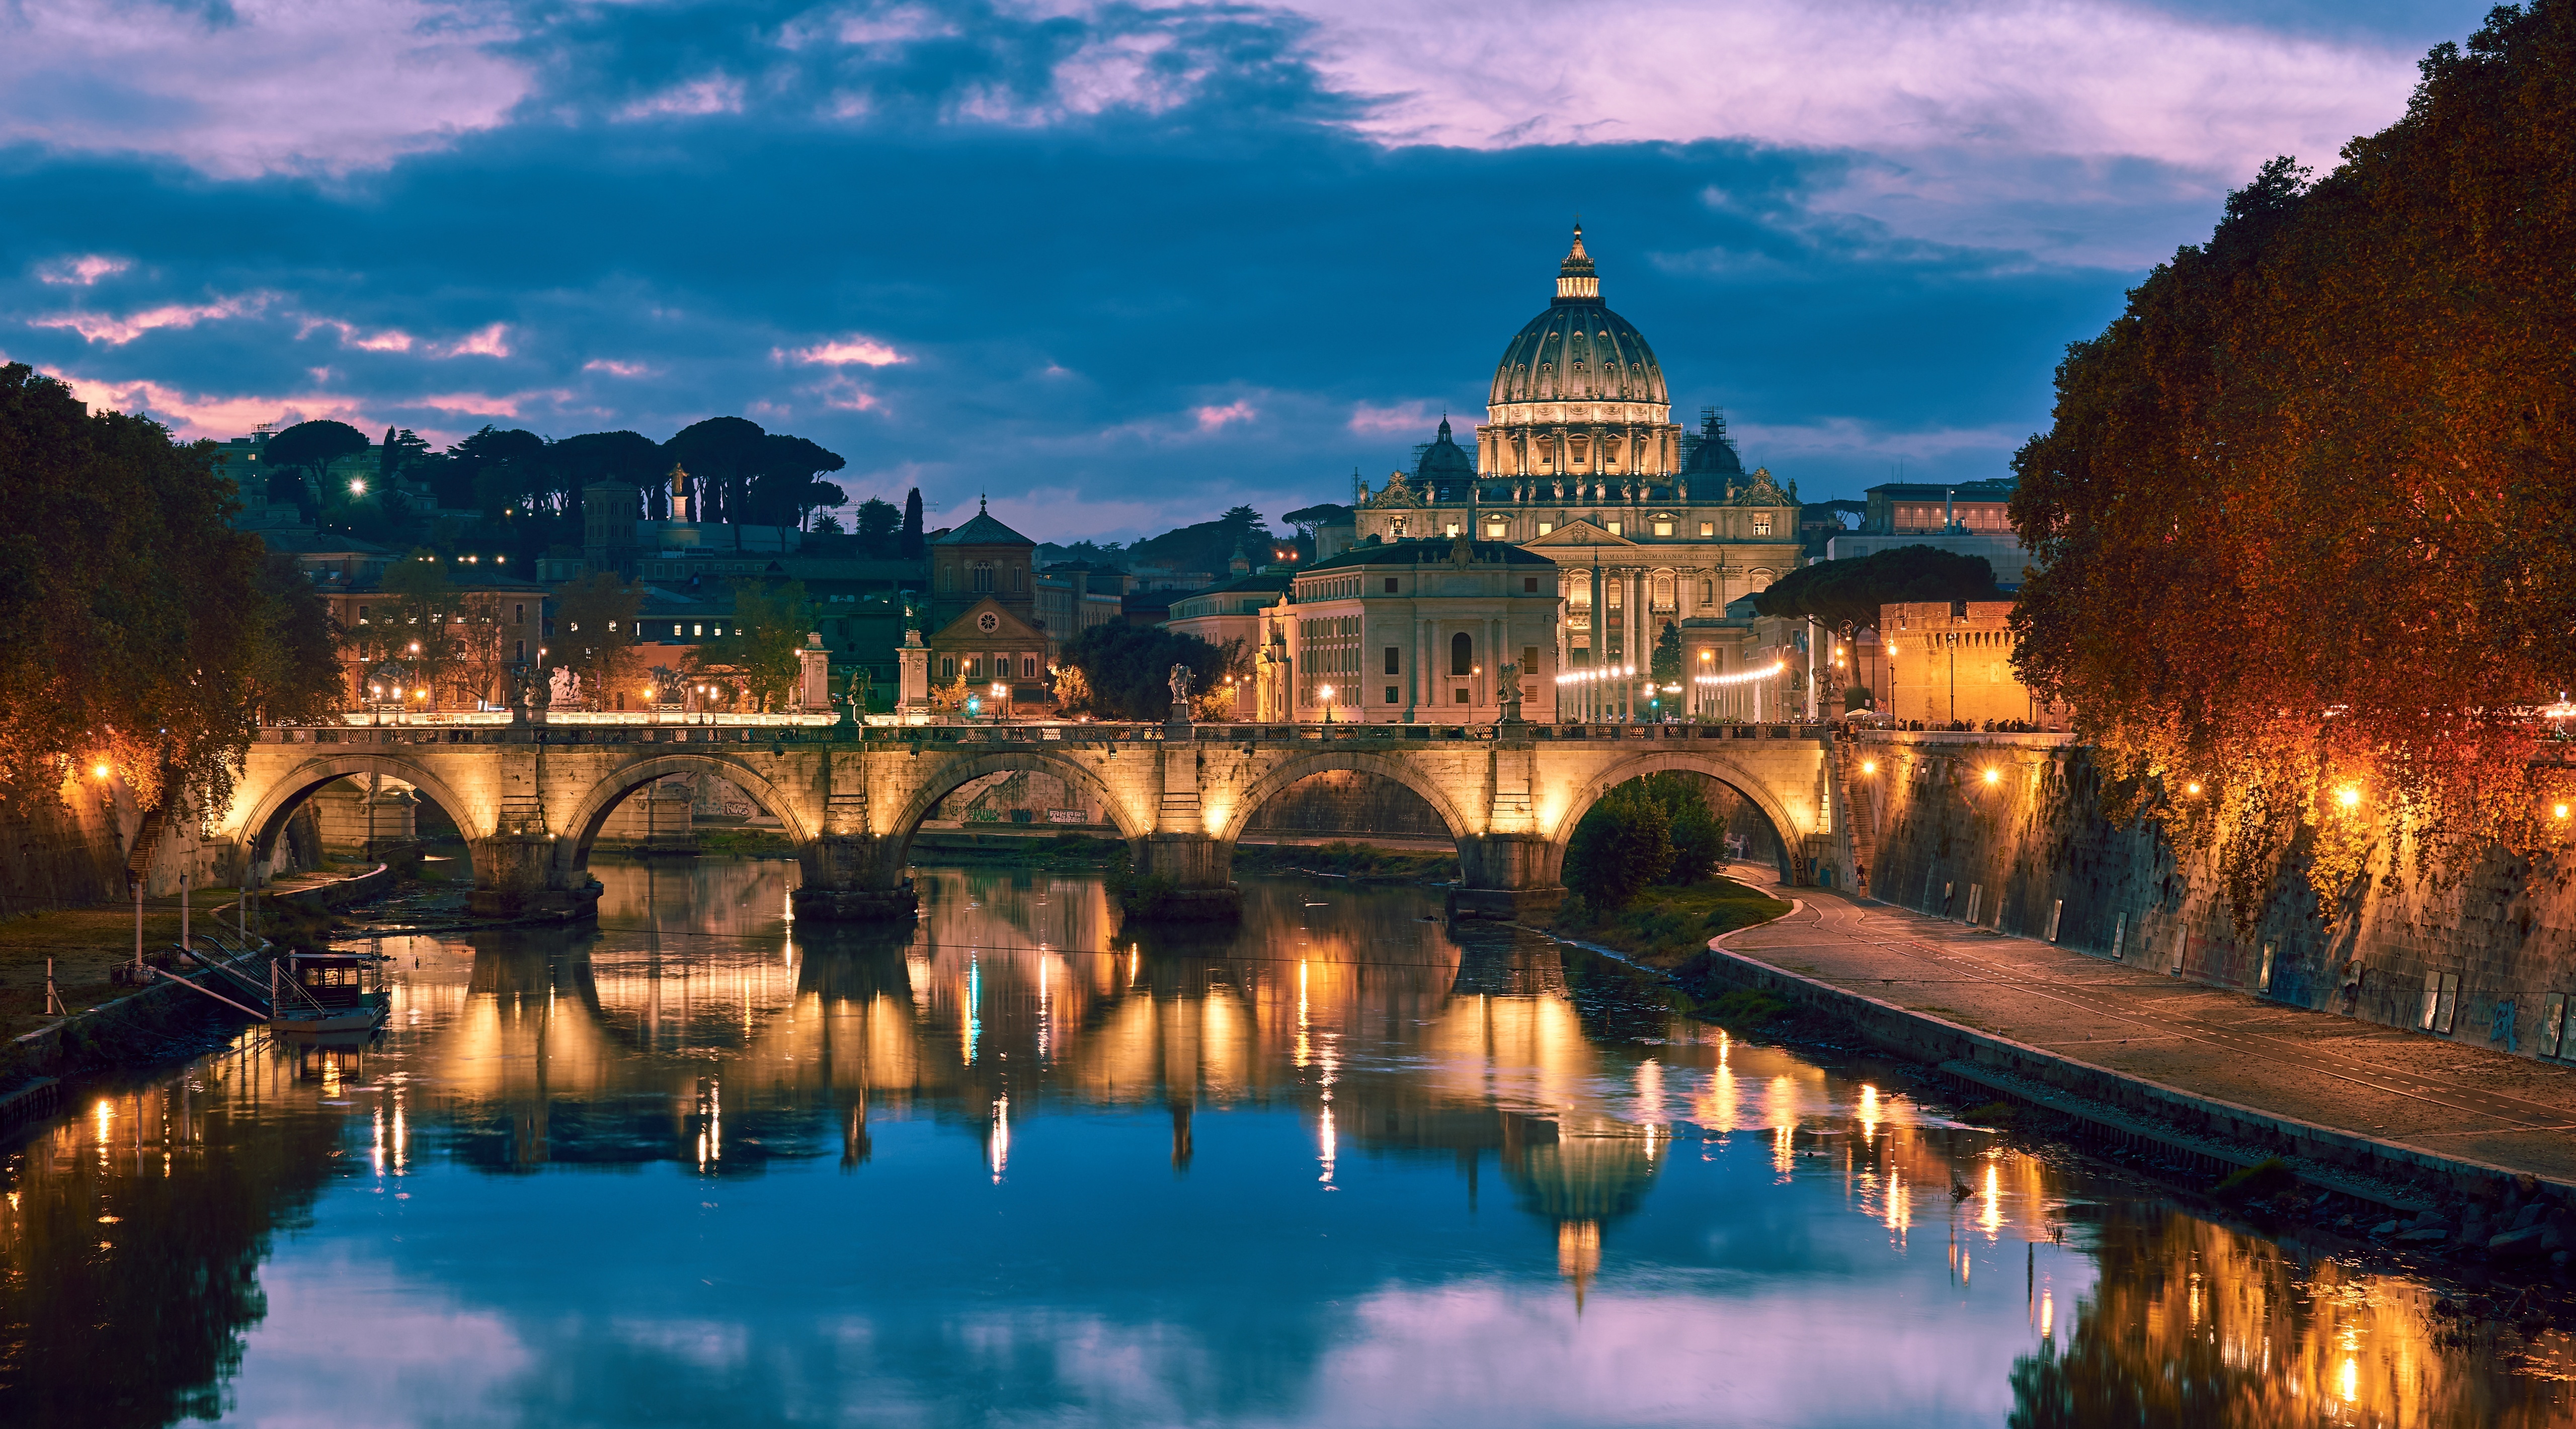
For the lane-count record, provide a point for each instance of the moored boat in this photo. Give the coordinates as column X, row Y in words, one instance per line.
column 326, row 992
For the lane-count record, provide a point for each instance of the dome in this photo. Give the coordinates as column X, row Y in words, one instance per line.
column 1712, row 450
column 1444, row 461
column 1578, row 350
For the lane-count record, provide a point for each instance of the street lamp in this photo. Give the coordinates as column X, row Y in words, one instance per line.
column 1326, row 691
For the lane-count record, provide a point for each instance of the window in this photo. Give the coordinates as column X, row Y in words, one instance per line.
column 1614, row 528
column 983, row 578
column 1390, row 585
column 1391, row 697
column 1393, row 658
column 948, row 667
column 974, row 667
column 1707, row 592
column 1458, row 696
column 523, row 651
column 1546, row 526
column 1494, row 529
column 1450, row 530
column 697, row 630
column 1761, row 525
column 1708, row 528
column 1462, row 654
column 1028, row 667
column 518, row 615
column 675, row 632
column 1529, row 661
column 362, row 615
column 1663, row 528
column 1529, row 585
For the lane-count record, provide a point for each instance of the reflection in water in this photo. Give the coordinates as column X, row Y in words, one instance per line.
column 1012, row 1164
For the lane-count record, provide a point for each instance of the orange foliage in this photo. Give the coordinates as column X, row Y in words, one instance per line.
column 2309, row 504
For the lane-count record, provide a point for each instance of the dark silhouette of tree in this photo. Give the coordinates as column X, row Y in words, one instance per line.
column 875, row 524
column 1845, row 595
column 1126, row 670
column 306, row 450
column 721, row 455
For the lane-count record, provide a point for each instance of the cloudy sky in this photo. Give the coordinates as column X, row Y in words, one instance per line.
column 1122, row 265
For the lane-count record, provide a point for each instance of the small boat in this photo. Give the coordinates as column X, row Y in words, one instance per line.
column 326, row 992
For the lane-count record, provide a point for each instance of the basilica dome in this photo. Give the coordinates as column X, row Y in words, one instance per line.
column 1578, row 350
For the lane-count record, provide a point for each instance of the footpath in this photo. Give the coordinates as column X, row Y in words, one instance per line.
column 2350, row 1104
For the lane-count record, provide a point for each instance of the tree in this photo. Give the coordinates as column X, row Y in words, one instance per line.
column 414, row 623
column 787, row 485
column 1845, row 596
column 2303, row 507
column 145, row 633
column 402, row 447
column 1665, row 668
column 1126, row 670
column 758, row 648
column 307, row 449
column 595, row 633
column 875, row 524
column 484, row 652
column 1623, row 845
column 720, row 455
column 913, row 544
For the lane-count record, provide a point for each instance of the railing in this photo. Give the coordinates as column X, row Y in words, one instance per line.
column 747, row 735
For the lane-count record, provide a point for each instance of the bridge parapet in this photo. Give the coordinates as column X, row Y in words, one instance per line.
column 531, row 798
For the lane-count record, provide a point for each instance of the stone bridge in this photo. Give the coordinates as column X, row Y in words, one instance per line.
column 532, row 799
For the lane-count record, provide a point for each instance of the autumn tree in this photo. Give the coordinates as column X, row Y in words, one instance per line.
column 144, row 633
column 2306, row 513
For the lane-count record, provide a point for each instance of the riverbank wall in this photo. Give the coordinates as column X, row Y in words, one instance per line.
column 2005, row 832
column 76, row 851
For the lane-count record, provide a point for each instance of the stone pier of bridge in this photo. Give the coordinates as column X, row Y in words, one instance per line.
column 531, row 800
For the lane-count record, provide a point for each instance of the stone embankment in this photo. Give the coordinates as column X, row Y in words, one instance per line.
column 2488, row 961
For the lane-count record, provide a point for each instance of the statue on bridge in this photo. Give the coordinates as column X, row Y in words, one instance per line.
column 854, row 705
column 1180, row 694
column 1507, row 691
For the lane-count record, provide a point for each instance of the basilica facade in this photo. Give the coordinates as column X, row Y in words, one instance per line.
column 1579, row 461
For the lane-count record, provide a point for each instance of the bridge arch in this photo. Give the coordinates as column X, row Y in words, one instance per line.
column 270, row 811
column 612, row 788
column 957, row 772
column 1784, row 829
column 1384, row 766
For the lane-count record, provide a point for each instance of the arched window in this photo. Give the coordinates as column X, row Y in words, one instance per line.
column 1707, row 592
column 1462, row 654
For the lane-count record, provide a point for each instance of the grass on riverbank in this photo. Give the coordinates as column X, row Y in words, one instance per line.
column 1365, row 862
column 1664, row 927
column 84, row 943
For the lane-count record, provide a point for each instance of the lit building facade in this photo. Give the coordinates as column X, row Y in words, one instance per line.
column 1949, row 662
column 1410, row 632
column 1579, row 461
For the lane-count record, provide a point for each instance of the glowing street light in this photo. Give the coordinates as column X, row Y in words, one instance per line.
column 1326, row 693
column 357, row 486
column 1994, row 776
column 2348, row 796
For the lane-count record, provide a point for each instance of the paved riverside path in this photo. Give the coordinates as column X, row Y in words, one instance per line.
column 2411, row 1088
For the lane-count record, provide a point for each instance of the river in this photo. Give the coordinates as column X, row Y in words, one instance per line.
column 1340, row 1166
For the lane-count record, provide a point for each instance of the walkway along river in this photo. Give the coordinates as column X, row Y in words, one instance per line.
column 1342, row 1166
